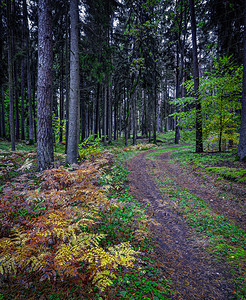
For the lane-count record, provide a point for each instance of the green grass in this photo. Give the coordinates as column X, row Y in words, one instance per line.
column 152, row 155
column 167, row 138
column 5, row 146
column 188, row 156
column 226, row 240
column 234, row 174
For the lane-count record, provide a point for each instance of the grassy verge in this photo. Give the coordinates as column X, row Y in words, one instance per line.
column 152, row 155
column 223, row 165
column 225, row 240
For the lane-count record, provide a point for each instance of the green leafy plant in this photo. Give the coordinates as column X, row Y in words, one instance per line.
column 89, row 148
column 220, row 94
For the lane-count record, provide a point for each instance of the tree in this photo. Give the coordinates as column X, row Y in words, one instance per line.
column 199, row 144
column 45, row 156
column 73, row 124
column 242, row 140
column 30, row 113
column 220, row 96
column 10, row 71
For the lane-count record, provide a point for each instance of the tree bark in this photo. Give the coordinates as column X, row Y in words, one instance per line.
column 199, row 143
column 242, row 140
column 110, row 111
column 105, row 116
column 2, row 123
column 73, row 130
column 134, row 119
column 26, row 48
column 2, row 114
column 10, row 72
column 23, row 92
column 61, row 96
column 45, row 156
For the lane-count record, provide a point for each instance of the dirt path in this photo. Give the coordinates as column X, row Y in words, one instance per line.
column 194, row 274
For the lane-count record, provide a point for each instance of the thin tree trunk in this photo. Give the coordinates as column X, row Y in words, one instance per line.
column 3, row 114
column 242, row 140
column 110, row 112
column 23, row 97
column 30, row 113
column 97, row 129
column 45, row 155
column 105, row 116
column 134, row 131
column 154, row 109
column 34, row 106
column 61, row 96
column 126, row 113
column 177, row 135
column 199, row 143
column 73, row 130
column 10, row 72
column 16, row 96
column 116, row 108
column 67, row 77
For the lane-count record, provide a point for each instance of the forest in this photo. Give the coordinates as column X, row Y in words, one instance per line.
column 122, row 149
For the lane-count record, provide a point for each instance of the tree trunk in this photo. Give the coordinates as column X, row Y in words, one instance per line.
column 67, row 76
column 199, row 143
column 105, row 116
column 16, row 96
column 126, row 118
column 97, row 129
column 241, row 152
column 116, row 108
column 177, row 134
column 155, row 107
column 45, row 156
column 2, row 114
column 110, row 112
column 61, row 96
column 2, row 122
column 134, row 125
column 33, row 105
column 23, row 96
column 10, row 72
column 73, row 130
column 28, row 73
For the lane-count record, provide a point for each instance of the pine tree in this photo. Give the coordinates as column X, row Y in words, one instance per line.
column 45, row 156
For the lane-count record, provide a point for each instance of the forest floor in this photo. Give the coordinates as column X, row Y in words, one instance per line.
column 185, row 216
column 191, row 254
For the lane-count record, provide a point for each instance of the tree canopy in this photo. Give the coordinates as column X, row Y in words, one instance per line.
column 135, row 70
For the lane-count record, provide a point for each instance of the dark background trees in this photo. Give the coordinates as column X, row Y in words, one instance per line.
column 133, row 58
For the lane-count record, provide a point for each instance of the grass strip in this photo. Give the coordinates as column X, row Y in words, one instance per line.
column 226, row 240
column 152, row 155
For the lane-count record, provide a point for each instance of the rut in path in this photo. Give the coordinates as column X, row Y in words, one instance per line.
column 193, row 273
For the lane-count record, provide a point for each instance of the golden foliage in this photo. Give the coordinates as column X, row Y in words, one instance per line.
column 52, row 228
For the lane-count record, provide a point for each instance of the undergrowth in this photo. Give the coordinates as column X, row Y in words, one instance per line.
column 213, row 163
column 76, row 233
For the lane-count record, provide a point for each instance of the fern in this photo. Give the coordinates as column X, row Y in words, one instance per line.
column 54, row 235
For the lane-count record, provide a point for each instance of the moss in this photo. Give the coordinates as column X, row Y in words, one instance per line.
column 234, row 174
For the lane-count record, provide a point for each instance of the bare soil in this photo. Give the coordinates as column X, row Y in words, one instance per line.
column 179, row 250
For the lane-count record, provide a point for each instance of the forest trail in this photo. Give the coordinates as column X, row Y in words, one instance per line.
column 179, row 250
